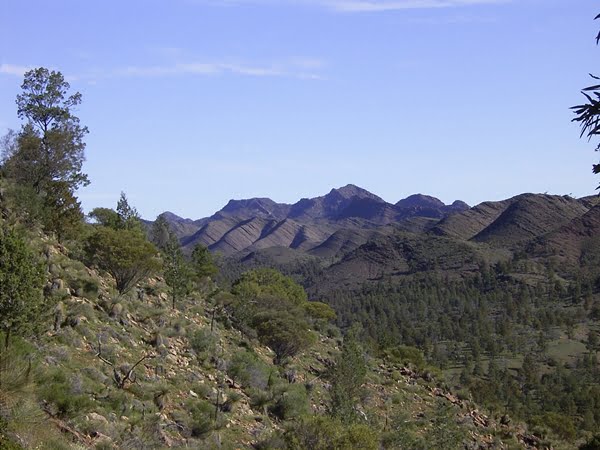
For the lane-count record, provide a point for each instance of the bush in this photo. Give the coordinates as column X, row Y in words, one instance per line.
column 560, row 424
column 62, row 393
column 319, row 311
column 592, row 444
column 285, row 333
column 248, row 370
column 203, row 342
column 290, row 403
column 325, row 433
column 404, row 354
column 202, row 420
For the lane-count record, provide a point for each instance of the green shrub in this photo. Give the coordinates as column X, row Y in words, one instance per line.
column 592, row 444
column 325, row 433
column 560, row 424
column 319, row 311
column 202, row 417
column 290, row 403
column 404, row 354
column 203, row 342
column 248, row 370
column 63, row 393
column 286, row 334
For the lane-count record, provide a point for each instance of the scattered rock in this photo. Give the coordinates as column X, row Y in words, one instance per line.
column 95, row 417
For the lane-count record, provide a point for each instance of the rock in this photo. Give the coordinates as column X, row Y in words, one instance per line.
column 427, row 376
column 193, row 394
column 95, row 417
column 116, row 310
column 57, row 285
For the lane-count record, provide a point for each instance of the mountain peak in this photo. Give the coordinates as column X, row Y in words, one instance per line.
column 255, row 207
column 420, row 201
column 172, row 217
column 350, row 191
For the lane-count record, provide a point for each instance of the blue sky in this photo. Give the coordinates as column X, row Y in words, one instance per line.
column 193, row 102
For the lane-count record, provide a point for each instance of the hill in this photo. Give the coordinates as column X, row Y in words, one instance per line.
column 129, row 371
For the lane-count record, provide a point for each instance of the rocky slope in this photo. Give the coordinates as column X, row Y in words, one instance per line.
column 130, row 372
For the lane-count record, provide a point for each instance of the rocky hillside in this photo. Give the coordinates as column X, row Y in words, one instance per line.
column 128, row 371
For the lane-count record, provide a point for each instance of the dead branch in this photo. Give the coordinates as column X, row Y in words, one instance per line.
column 120, row 380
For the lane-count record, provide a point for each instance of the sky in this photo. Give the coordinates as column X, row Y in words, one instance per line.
column 191, row 103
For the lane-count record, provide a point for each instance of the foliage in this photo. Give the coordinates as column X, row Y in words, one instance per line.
column 269, row 283
column 160, row 234
column 203, row 342
column 324, row 433
column 404, row 354
column 319, row 311
column 290, row 403
column 177, row 271
column 202, row 262
column 284, row 333
column 55, row 137
column 21, row 281
column 129, row 217
column 248, row 370
column 45, row 158
column 347, row 378
column 592, row 444
column 59, row 391
column 125, row 217
column 442, row 431
column 106, row 217
column 202, row 417
column 271, row 304
column 125, row 254
column 588, row 114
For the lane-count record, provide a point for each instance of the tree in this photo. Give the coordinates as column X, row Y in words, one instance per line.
column 106, row 217
column 347, row 378
column 286, row 334
column 178, row 273
column 125, row 217
column 269, row 283
column 125, row 254
column 128, row 215
column 21, row 282
column 45, row 158
column 160, row 234
column 203, row 264
column 588, row 114
column 55, row 135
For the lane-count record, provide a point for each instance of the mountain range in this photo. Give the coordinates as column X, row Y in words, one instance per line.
column 343, row 218
column 354, row 236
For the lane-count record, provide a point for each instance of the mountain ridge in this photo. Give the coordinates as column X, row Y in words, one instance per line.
column 254, row 223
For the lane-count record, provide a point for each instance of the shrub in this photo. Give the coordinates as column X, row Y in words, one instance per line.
column 404, row 354
column 248, row 370
column 285, row 333
column 61, row 392
column 325, row 433
column 320, row 311
column 202, row 415
column 203, row 342
column 290, row 403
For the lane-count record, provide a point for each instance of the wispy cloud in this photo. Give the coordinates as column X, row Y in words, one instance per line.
column 395, row 5
column 13, row 69
column 296, row 68
column 300, row 68
column 357, row 6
